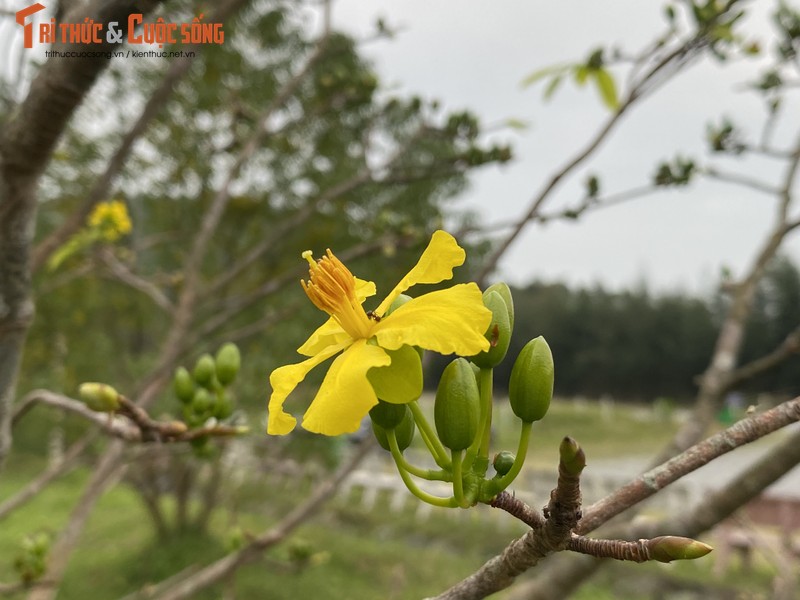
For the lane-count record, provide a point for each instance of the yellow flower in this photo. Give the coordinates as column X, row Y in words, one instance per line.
column 110, row 219
column 449, row 321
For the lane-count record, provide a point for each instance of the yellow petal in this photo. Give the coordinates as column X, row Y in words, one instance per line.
column 346, row 395
column 451, row 321
column 328, row 334
column 364, row 289
column 436, row 264
column 283, row 381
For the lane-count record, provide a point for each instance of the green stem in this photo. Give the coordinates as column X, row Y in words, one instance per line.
column 429, row 436
column 495, row 486
column 458, row 482
column 429, row 474
column 412, row 487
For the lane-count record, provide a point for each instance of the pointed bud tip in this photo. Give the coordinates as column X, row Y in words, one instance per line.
column 572, row 456
column 668, row 548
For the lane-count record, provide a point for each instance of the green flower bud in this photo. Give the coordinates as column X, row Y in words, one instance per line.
column 204, row 370
column 202, row 401
column 669, row 547
column 503, row 461
column 456, row 410
column 505, row 292
column 530, row 388
column 398, row 302
column 223, row 407
column 498, row 334
column 183, row 384
column 99, row 396
column 404, row 432
column 228, row 363
column 388, row 415
column 571, row 456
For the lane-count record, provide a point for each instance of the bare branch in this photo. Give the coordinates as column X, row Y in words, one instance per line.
column 741, row 180
column 713, row 383
column 521, row 554
column 639, row 89
column 131, row 423
column 788, row 348
column 123, row 273
column 744, row 432
column 113, row 426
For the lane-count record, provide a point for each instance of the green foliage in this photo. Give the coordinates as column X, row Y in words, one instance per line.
column 204, row 394
column 677, row 174
column 593, row 69
column 30, row 562
column 724, row 138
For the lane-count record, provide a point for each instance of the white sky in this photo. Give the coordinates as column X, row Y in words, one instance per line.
column 474, row 53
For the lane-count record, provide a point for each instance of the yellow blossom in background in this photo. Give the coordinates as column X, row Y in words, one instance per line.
column 449, row 321
column 110, row 220
column 107, row 222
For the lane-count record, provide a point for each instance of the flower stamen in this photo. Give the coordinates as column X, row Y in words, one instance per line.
column 332, row 288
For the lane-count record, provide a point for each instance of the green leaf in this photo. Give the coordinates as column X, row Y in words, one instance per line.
column 542, row 73
column 580, row 73
column 518, row 124
column 607, row 88
column 553, row 86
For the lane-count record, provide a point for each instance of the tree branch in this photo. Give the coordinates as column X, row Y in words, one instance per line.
column 123, row 273
column 523, row 553
column 27, row 141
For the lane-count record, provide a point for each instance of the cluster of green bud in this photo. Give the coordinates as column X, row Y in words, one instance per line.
column 31, row 559
column 388, row 417
column 204, row 392
column 462, row 410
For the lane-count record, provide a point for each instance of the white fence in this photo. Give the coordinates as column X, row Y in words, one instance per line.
column 379, row 480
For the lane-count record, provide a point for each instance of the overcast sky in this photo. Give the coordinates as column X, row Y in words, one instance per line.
column 474, row 53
